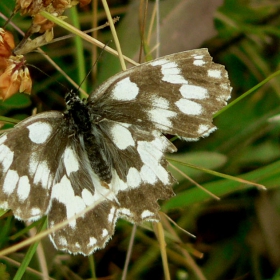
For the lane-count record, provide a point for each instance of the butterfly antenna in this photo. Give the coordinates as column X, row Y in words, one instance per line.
column 99, row 56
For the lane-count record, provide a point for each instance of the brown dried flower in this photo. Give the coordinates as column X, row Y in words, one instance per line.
column 14, row 75
column 44, row 23
column 33, row 7
column 7, row 43
column 30, row 7
column 15, row 78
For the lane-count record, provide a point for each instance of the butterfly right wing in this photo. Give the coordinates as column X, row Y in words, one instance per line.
column 176, row 94
column 28, row 164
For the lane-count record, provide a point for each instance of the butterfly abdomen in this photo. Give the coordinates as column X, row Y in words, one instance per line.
column 98, row 162
column 81, row 122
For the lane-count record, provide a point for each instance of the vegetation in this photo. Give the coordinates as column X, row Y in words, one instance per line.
column 238, row 236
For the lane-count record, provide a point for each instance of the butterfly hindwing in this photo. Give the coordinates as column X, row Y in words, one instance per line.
column 77, row 188
column 135, row 172
column 28, row 164
column 146, row 172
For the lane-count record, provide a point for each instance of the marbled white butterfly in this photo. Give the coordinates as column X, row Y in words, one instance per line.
column 110, row 148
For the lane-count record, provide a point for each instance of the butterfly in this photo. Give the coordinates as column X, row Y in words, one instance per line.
column 108, row 151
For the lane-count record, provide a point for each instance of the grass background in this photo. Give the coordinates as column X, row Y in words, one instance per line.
column 238, row 237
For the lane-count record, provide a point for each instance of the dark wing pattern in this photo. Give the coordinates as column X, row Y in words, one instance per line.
column 28, row 165
column 176, row 94
column 46, row 168
column 132, row 193
column 77, row 188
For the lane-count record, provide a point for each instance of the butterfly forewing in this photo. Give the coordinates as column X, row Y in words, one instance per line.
column 177, row 94
column 108, row 154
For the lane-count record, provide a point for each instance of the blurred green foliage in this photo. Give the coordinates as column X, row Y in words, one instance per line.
column 240, row 234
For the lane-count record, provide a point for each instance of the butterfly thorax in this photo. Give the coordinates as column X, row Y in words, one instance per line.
column 81, row 121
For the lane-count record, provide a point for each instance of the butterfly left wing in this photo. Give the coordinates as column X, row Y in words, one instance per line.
column 28, row 163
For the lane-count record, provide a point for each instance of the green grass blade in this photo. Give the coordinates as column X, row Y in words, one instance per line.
column 30, row 253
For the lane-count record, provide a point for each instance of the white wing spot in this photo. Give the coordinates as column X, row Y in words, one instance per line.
column 4, row 205
column 198, row 56
column 10, row 182
column 189, row 107
column 151, row 156
column 125, row 90
column 133, row 178
column 87, row 197
column 215, row 73
column 117, row 184
column 205, row 130
column 161, row 116
column 170, row 71
column 104, row 232
column 23, row 189
column 42, row 174
column 202, row 128
column 35, row 211
column 92, row 242
column 147, row 175
column 147, row 213
column 39, row 132
column 125, row 212
column 198, row 62
column 122, row 136
column 6, row 157
column 111, row 215
column 62, row 241
column 160, row 102
column 224, row 86
column 64, row 193
column 33, row 163
column 193, row 92
column 70, row 160
column 77, row 245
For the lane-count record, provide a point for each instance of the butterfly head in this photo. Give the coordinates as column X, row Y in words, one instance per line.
column 71, row 97
column 77, row 113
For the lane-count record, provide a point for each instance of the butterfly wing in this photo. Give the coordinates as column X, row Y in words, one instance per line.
column 28, row 163
column 140, row 176
column 176, row 94
column 77, row 188
column 139, row 179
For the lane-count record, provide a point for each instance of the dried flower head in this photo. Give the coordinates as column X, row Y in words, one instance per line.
column 33, row 7
column 15, row 77
column 7, row 43
column 44, row 23
column 30, row 7
column 39, row 23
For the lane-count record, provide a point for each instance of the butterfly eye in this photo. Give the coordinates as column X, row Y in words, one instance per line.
column 70, row 97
